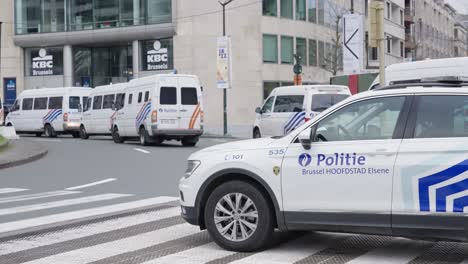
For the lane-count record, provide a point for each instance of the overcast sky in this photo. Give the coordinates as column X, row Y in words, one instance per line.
column 460, row 5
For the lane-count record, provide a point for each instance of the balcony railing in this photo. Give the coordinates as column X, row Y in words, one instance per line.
column 409, row 14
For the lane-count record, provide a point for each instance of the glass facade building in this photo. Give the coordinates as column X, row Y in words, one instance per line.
column 46, row 16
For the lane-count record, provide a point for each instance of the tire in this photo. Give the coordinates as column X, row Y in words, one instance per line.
column 116, row 136
column 38, row 134
column 49, row 131
column 256, row 239
column 83, row 133
column 256, row 133
column 189, row 141
column 145, row 139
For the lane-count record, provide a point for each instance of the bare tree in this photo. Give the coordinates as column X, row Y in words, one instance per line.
column 333, row 57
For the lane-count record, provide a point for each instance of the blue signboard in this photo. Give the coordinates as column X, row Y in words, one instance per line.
column 9, row 86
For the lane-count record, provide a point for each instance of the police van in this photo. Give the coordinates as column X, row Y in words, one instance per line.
column 48, row 111
column 289, row 107
column 99, row 110
column 160, row 107
column 387, row 162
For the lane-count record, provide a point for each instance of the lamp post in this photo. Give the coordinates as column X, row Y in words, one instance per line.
column 224, row 3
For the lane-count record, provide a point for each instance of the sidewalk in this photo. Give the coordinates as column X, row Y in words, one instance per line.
column 20, row 152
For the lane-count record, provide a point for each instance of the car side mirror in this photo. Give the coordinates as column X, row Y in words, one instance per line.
column 305, row 138
column 258, row 110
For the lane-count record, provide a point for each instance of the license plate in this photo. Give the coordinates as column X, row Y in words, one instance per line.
column 167, row 121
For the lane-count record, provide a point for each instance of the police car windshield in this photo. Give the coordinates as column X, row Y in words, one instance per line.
column 321, row 102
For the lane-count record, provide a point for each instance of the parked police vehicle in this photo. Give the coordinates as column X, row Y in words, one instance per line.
column 390, row 162
column 288, row 107
column 160, row 107
column 99, row 110
column 413, row 72
column 51, row 111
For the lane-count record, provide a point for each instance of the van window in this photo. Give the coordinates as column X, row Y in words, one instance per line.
column 120, row 101
column 289, row 103
column 74, row 102
column 146, row 96
column 40, row 103
column 87, row 104
column 130, row 98
column 321, row 102
column 189, row 96
column 442, row 116
column 168, row 95
column 16, row 105
column 85, row 100
column 108, row 101
column 268, row 104
column 55, row 102
column 27, row 104
column 97, row 102
column 139, row 97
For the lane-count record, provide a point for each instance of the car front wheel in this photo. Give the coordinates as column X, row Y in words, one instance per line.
column 239, row 217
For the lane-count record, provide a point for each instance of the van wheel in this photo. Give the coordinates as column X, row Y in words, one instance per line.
column 145, row 139
column 239, row 217
column 116, row 136
column 49, row 131
column 83, row 133
column 38, row 134
column 189, row 141
column 256, row 133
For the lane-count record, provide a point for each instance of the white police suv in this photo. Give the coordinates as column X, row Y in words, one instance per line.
column 392, row 161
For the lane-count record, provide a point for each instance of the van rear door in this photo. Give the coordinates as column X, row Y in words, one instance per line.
column 168, row 108
column 190, row 105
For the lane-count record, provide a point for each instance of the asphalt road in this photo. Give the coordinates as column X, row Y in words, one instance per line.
column 98, row 202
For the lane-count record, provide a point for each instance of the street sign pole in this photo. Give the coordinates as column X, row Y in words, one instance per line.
column 225, row 125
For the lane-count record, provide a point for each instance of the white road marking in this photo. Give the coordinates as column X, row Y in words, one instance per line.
column 90, row 184
column 105, row 250
column 201, row 254
column 12, row 190
column 35, row 196
column 403, row 253
column 142, row 150
column 56, row 218
column 68, row 202
column 85, row 231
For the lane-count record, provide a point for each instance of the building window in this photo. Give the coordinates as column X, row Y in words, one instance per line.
column 287, row 50
column 157, row 55
column 287, row 8
column 158, row 11
column 321, row 11
column 270, row 48
column 312, row 52
column 106, row 13
column 312, row 11
column 270, row 8
column 81, row 15
column 389, row 45
column 301, row 50
column 402, row 49
column 268, row 87
column 402, row 17
column 321, row 54
column 301, row 10
column 43, row 61
column 374, row 54
column 389, row 10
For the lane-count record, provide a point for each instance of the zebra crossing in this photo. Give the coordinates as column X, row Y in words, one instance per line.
column 121, row 228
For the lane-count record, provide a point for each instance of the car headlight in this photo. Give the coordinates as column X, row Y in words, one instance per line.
column 192, row 166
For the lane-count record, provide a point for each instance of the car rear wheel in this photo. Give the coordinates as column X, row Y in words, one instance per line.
column 189, row 141
column 49, row 131
column 116, row 136
column 256, row 133
column 144, row 137
column 239, row 217
column 83, row 133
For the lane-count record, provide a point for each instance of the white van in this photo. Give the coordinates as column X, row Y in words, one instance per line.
column 99, row 110
column 160, row 107
column 417, row 70
column 288, row 107
column 51, row 111
column 2, row 113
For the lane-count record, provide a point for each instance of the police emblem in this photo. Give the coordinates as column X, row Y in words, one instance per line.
column 276, row 170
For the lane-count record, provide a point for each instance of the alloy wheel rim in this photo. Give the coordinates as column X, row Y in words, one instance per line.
column 236, row 217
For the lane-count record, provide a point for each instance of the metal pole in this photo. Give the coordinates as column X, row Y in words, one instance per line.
column 225, row 126
column 381, row 39
column 1, row 59
column 352, row 7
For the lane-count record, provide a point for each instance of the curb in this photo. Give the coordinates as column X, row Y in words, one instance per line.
column 24, row 161
column 4, row 144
